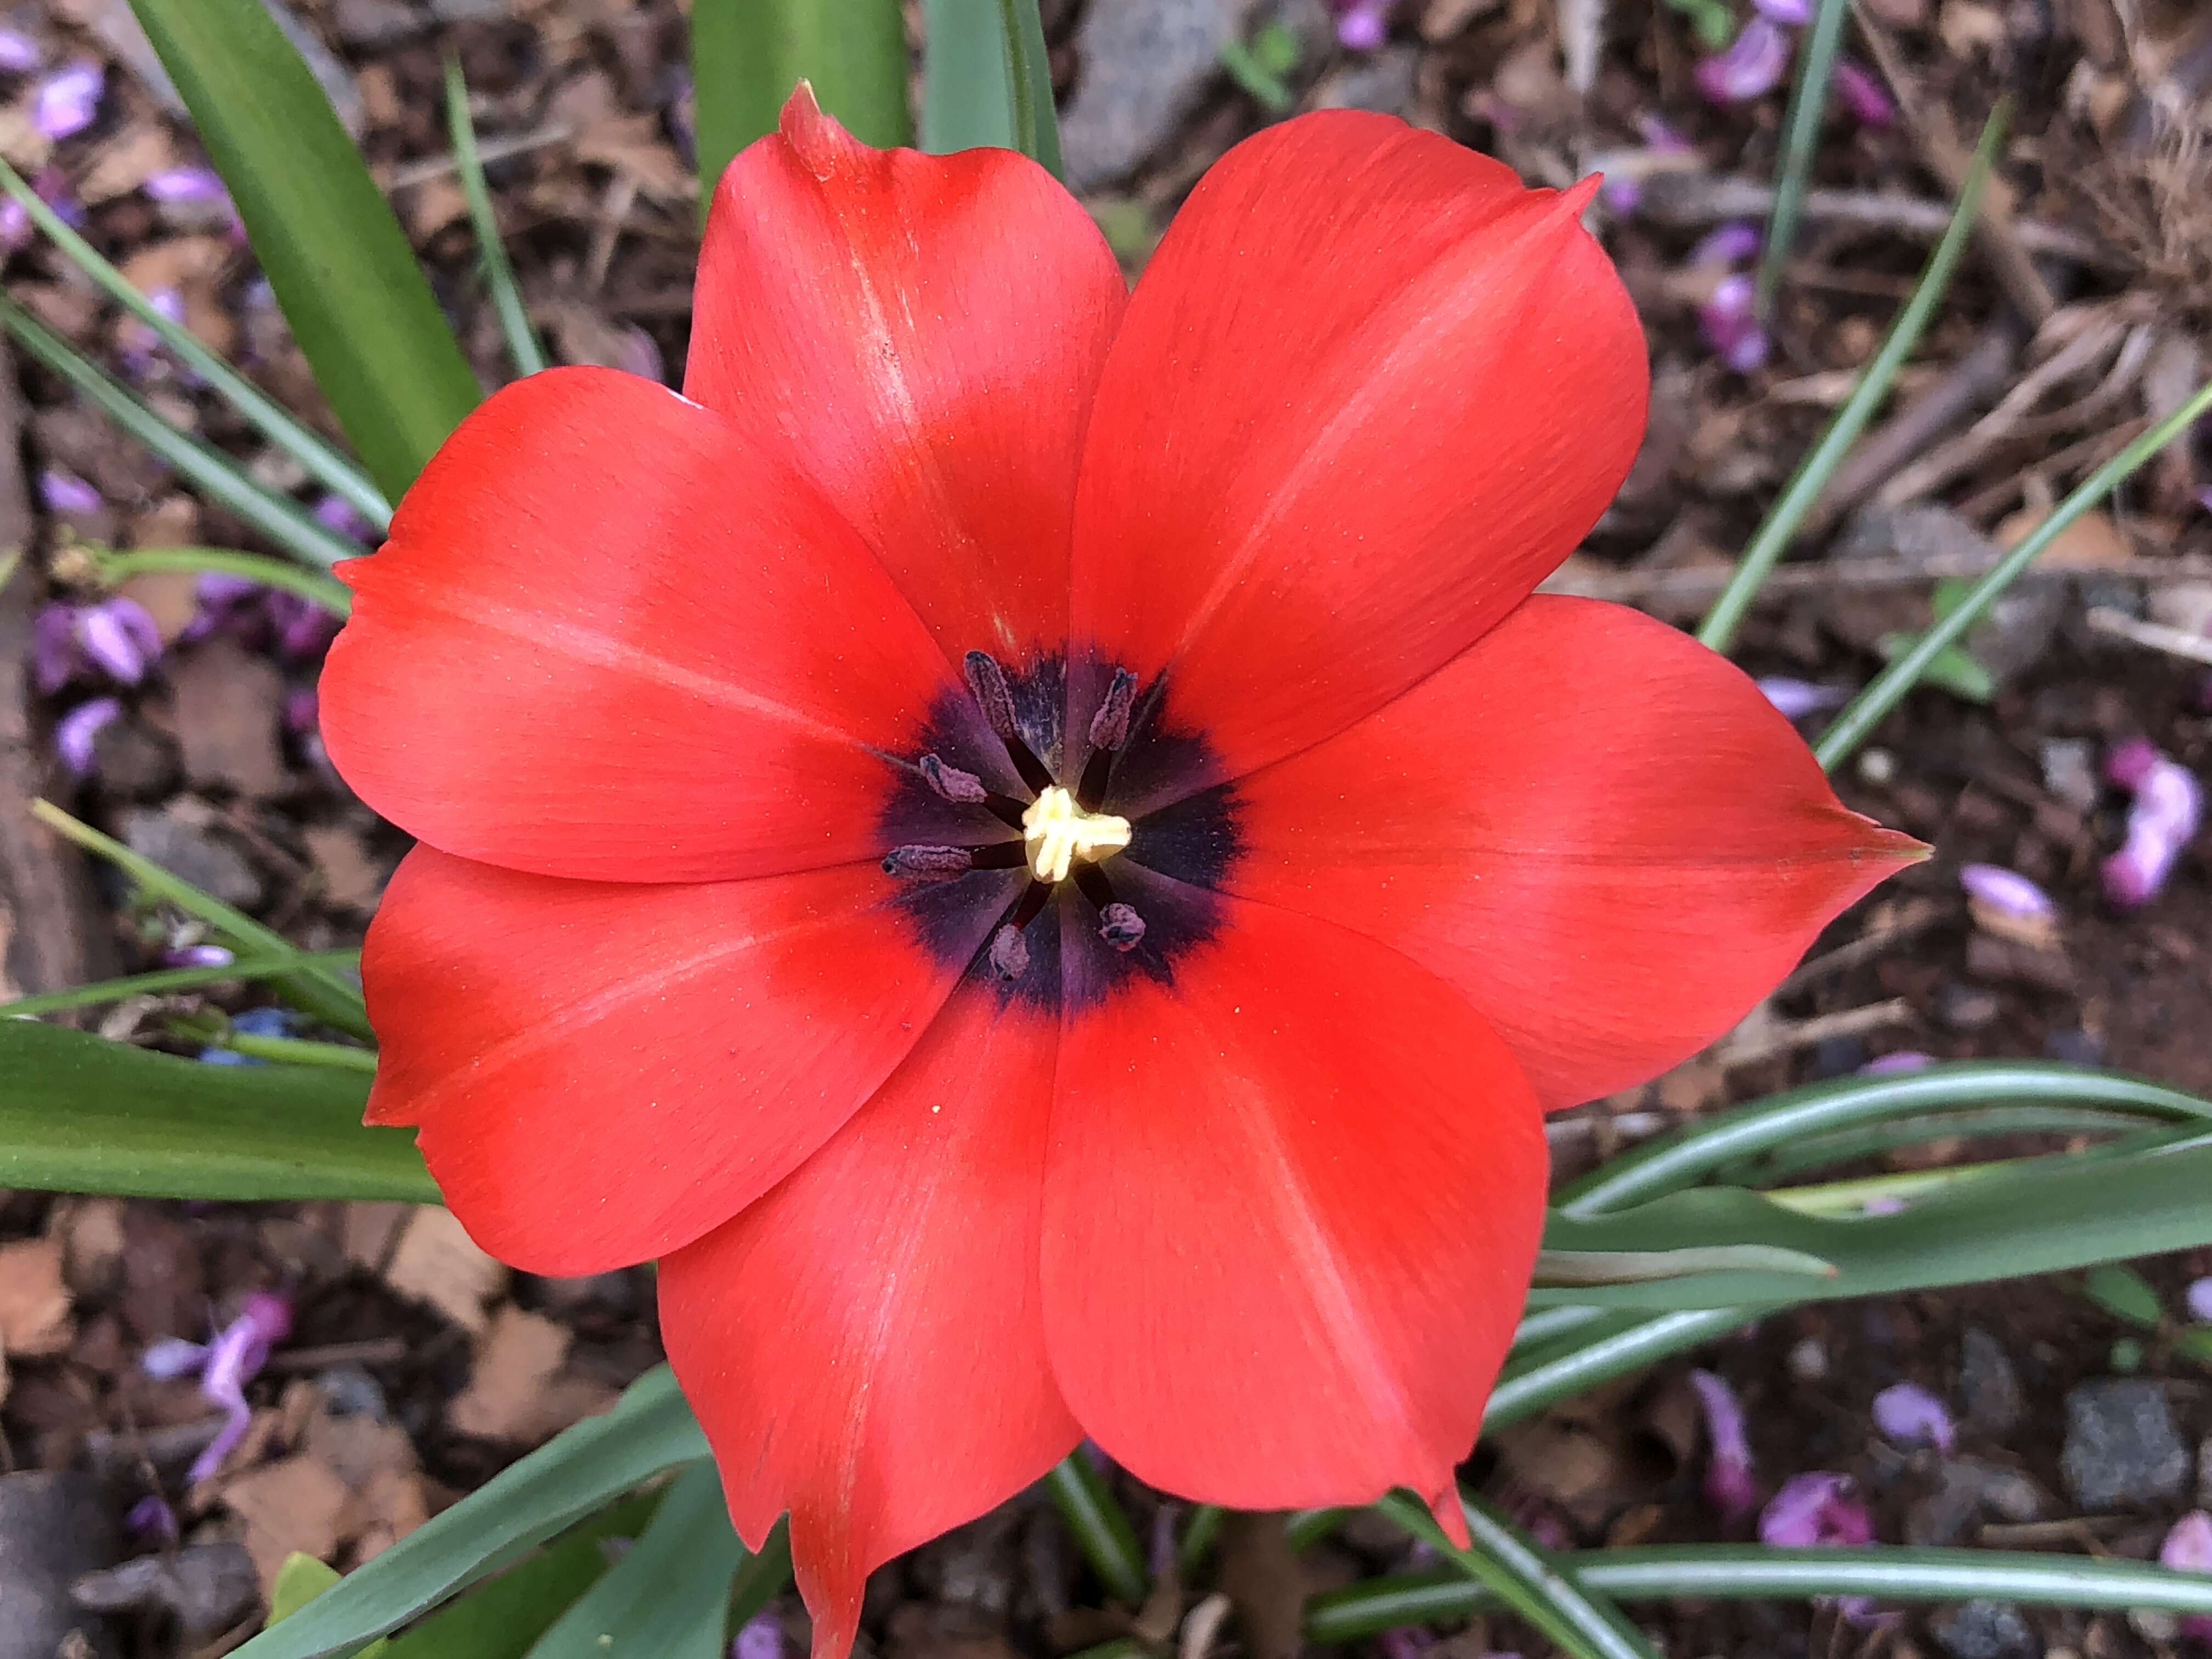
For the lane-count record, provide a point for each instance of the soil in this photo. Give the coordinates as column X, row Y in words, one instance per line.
column 417, row 1368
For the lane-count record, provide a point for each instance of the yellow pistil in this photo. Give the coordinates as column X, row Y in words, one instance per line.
column 1058, row 832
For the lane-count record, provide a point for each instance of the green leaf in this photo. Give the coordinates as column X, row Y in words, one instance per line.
column 1773, row 536
column 1596, row 1354
column 331, row 594
column 1511, row 1568
column 1749, row 1573
column 1801, row 138
column 1102, row 1529
column 276, row 423
column 986, row 82
column 241, row 972
column 2033, row 1216
column 501, row 1618
column 668, row 1597
column 1866, row 711
column 1955, row 669
column 208, row 471
column 2125, row 1294
column 342, row 272
column 1710, row 21
column 1692, row 1154
column 1262, row 84
column 747, row 56
column 82, row 1115
column 1557, row 1269
column 649, row 1432
column 324, row 992
column 499, row 275
column 2195, row 1344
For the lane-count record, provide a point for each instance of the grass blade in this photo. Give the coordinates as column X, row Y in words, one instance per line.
column 1689, row 1156
column 341, row 266
column 1517, row 1574
column 1866, row 711
column 325, row 464
column 81, row 1114
column 1744, row 1573
column 1101, row 1530
column 323, row 991
column 218, row 477
column 669, row 1594
column 295, row 1051
column 499, row 275
column 324, row 591
column 244, row 972
column 1801, row 138
column 1773, row 536
column 748, row 55
column 1577, row 1366
column 985, row 82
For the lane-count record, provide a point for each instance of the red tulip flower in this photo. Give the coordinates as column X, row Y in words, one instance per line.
column 1030, row 843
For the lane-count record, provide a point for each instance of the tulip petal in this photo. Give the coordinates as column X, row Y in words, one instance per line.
column 1600, row 832
column 1369, row 392
column 863, row 1346
column 1292, row 1201
column 610, row 638
column 920, row 335
column 602, row 1073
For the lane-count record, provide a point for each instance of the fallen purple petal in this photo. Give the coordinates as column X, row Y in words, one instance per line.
column 1891, row 1065
column 75, row 732
column 187, row 185
column 1731, row 1487
column 53, row 647
column 1405, row 1642
column 1818, row 1509
column 1798, row 698
column 336, row 512
column 303, row 628
column 1910, row 1415
column 234, row 1359
column 64, row 492
column 1362, row 24
column 1751, row 67
column 220, row 587
column 172, row 1356
column 15, row 224
column 68, row 100
column 2168, row 812
column 2188, row 1549
column 197, row 956
column 152, row 1517
column 1729, row 323
column 2007, row 892
column 19, row 53
column 1862, row 93
column 303, row 712
column 2198, row 1296
column 119, row 637
column 759, row 1637
column 1883, row 1204
column 52, row 187
column 1795, row 14
column 1732, row 244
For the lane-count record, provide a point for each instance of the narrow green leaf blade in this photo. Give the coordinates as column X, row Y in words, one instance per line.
column 331, row 594
column 650, row 1432
column 213, row 473
column 342, row 268
column 241, row 972
column 669, row 1597
column 498, row 273
column 747, row 56
column 274, row 422
column 82, row 1115
column 987, row 81
column 1102, row 1529
column 1801, row 138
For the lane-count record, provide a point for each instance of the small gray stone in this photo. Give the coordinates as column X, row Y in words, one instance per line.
column 53, row 1526
column 1382, row 82
column 2070, row 771
column 1985, row 1630
column 2122, row 1445
column 208, row 1588
column 228, row 703
column 192, row 855
column 373, row 23
column 1966, row 1007
column 1989, row 1387
column 1143, row 64
column 1968, row 1488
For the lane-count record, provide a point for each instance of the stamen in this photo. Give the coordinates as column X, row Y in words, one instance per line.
column 1121, row 926
column 987, row 681
column 1059, row 832
column 1009, row 953
column 929, row 863
column 1110, row 727
column 952, row 783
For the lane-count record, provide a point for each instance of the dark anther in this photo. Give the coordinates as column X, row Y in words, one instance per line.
column 1121, row 926
column 1009, row 953
column 929, row 863
column 952, row 783
column 986, row 681
column 1110, row 727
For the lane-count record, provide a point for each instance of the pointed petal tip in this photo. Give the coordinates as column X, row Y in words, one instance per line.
column 1576, row 197
column 816, row 137
column 1444, row 1504
column 835, row 1627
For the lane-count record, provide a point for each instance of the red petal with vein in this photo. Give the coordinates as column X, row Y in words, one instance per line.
column 921, row 336
column 1368, row 393
column 863, row 1346
column 601, row 1072
column 610, row 638
column 1291, row 1206
column 1595, row 827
